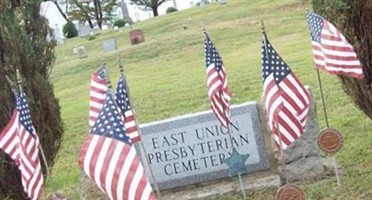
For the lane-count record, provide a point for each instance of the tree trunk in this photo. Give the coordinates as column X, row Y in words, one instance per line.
column 155, row 11
column 100, row 15
column 91, row 25
column 353, row 18
column 96, row 12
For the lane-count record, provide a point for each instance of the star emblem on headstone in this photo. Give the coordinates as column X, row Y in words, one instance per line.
column 236, row 162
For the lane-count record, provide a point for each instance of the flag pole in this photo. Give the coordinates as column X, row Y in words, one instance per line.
column 322, row 96
column 232, row 146
column 281, row 152
column 229, row 133
column 284, row 165
column 327, row 124
column 19, row 82
column 121, row 67
column 220, row 94
column 228, row 122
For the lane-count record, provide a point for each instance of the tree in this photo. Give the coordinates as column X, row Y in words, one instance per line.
column 149, row 4
column 59, row 4
column 353, row 18
column 89, row 10
column 24, row 45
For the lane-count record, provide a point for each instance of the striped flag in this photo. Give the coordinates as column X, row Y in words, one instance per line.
column 123, row 102
column 20, row 141
column 287, row 101
column 98, row 87
column 110, row 160
column 332, row 52
column 218, row 91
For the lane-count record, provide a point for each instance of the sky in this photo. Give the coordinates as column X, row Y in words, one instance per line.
column 49, row 10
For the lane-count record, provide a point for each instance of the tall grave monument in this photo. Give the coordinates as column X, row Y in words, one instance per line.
column 124, row 10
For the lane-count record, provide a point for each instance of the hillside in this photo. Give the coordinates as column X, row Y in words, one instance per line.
column 166, row 75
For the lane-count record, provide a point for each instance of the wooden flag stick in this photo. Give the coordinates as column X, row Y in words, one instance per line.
column 244, row 197
column 203, row 26
column 121, row 67
column 107, row 77
column 336, row 171
column 228, row 124
column 281, row 156
column 19, row 82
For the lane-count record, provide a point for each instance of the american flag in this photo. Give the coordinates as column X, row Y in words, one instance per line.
column 110, row 160
column 98, row 87
column 332, row 52
column 287, row 101
column 218, row 91
column 123, row 102
column 20, row 141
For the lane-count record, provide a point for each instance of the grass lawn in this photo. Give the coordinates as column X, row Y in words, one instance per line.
column 166, row 75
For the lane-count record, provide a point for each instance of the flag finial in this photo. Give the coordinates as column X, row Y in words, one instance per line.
column 262, row 26
column 121, row 67
column 108, row 81
column 19, row 80
column 203, row 26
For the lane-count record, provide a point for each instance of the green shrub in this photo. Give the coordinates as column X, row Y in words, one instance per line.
column 92, row 37
column 69, row 30
column 171, row 9
column 119, row 23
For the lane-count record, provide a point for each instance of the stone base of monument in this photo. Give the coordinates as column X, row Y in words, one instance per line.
column 223, row 187
column 302, row 157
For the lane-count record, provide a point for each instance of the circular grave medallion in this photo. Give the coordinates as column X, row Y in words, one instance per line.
column 330, row 140
column 290, row 192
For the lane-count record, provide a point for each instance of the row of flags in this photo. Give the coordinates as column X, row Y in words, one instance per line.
column 108, row 156
column 286, row 100
column 20, row 141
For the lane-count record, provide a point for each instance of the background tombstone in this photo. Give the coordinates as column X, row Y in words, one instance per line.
column 136, row 37
column 84, row 30
column 57, row 35
column 82, row 52
column 75, row 50
column 109, row 25
column 124, row 10
column 109, row 45
column 223, row 2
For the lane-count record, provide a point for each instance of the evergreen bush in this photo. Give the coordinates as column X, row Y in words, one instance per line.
column 353, row 18
column 171, row 9
column 119, row 23
column 69, row 30
column 25, row 46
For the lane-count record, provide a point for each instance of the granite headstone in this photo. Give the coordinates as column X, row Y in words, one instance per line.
column 84, row 30
column 136, row 36
column 192, row 148
column 109, row 45
column 82, row 52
